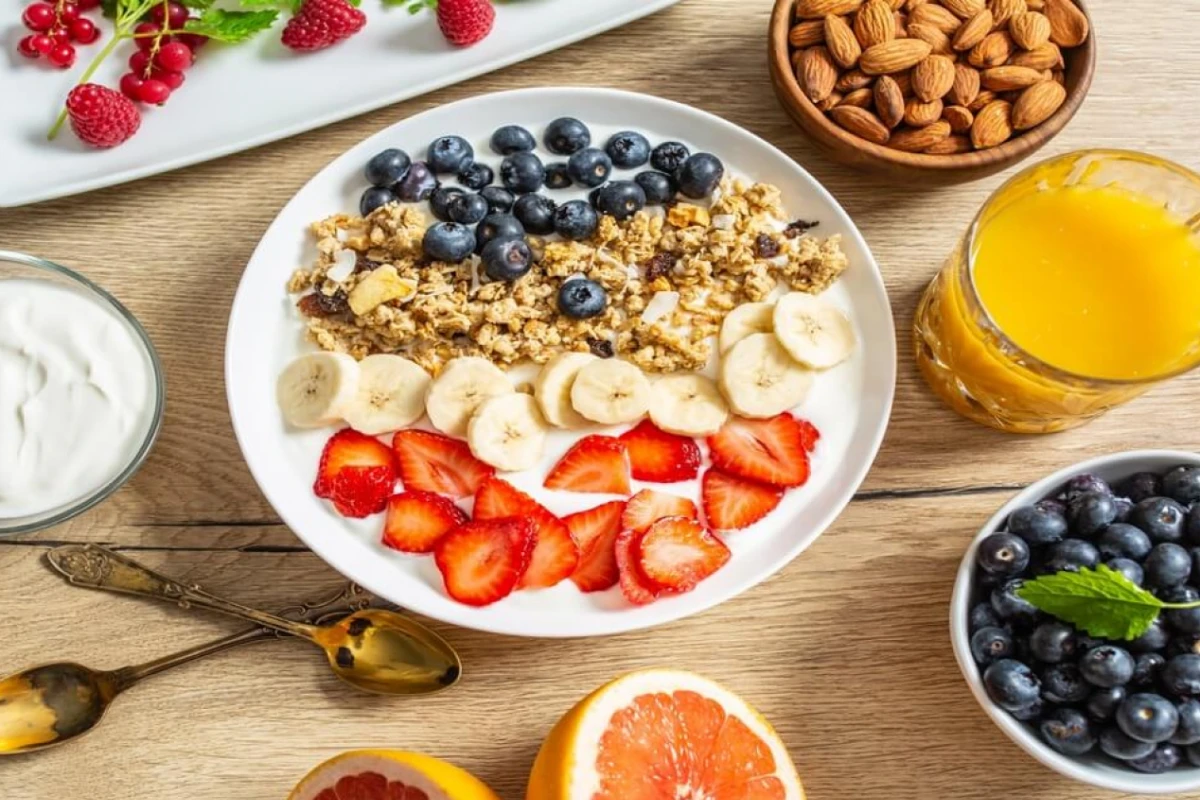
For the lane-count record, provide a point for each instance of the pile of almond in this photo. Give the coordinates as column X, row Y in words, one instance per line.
column 935, row 76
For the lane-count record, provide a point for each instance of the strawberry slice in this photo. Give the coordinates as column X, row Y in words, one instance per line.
column 660, row 457
column 595, row 464
column 482, row 561
column 417, row 520
column 677, row 553
column 349, row 448
column 766, row 450
column 359, row 492
column 648, row 506
column 732, row 503
column 555, row 553
column 634, row 585
column 595, row 531
column 431, row 462
column 809, row 435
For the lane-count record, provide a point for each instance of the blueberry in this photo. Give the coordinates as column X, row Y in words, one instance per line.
column 1011, row 684
column 1139, row 486
column 1070, row 555
column 1124, row 508
column 467, row 209
column 1132, row 570
column 448, row 241
column 439, row 201
column 557, row 176
column 1155, row 638
column 700, row 175
column 594, row 196
column 1192, row 525
column 1148, row 718
column 1038, row 525
column 1165, row 758
column 1167, row 565
column 1052, row 504
column 566, row 135
column 1068, row 732
column 1003, row 554
column 1085, row 642
column 1090, row 512
column 1115, row 743
column 1063, row 683
column 582, row 298
column 1102, row 703
column 1182, row 644
column 589, row 167
column 1185, row 620
column 387, row 167
column 1182, row 484
column 1085, row 483
column 1120, row 540
column 1181, row 675
column 1011, row 608
column 628, row 150
column 373, row 198
column 1107, row 666
column 982, row 616
column 522, row 173
column 417, row 184
column 476, row 176
column 989, row 644
column 1145, row 673
column 497, row 226
column 621, row 200
column 536, row 213
column 1160, row 517
column 659, row 187
column 511, row 139
column 1030, row 713
column 1188, row 732
column 669, row 156
column 1052, row 642
column 575, row 220
column 449, row 155
column 499, row 199
column 506, row 259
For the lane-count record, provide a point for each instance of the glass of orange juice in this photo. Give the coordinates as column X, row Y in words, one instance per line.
column 1076, row 288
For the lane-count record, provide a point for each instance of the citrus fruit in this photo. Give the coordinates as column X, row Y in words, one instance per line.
column 663, row 735
column 389, row 775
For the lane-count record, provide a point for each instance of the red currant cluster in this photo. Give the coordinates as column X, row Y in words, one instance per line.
column 163, row 54
column 55, row 26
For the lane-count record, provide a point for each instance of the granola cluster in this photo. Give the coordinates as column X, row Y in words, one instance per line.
column 671, row 279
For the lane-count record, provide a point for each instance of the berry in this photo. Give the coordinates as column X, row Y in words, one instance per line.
column 669, row 156
column 635, row 587
column 1186, row 620
column 448, row 241
column 1146, row 672
column 373, row 198
column 357, row 472
column 989, row 644
column 589, row 167
column 676, row 553
column 172, row 79
column 1116, row 744
column 476, row 176
column 482, row 561
column 154, row 92
column 322, row 23
column 1090, row 512
column 506, row 258
column 1030, row 713
column 628, row 150
column 416, row 521
column 1003, row 554
column 1132, row 570
column 499, row 199
column 174, row 56
column 575, row 220
column 68, row 12
column 450, row 155
column 1124, row 508
column 145, row 34
column 1106, row 666
column 497, row 226
column 1068, row 731
column 1165, row 758
column 770, row 451
column 83, row 30
column 1070, row 555
column 1011, row 684
column 1063, row 683
column 593, row 196
column 61, row 56
column 1148, row 718
column 39, row 17
column 658, row 456
column 536, row 213
column 522, row 173
column 1188, row 732
column 1038, row 524
column 648, row 506
column 1120, row 540
column 465, row 22
column 1191, row 525
column 555, row 554
column 139, row 63
column 1167, row 565
column 131, row 85
column 1102, row 703
column 173, row 17
column 1182, row 484
column 387, row 167
column 417, row 184
column 510, row 139
column 432, row 462
column 557, row 176
column 700, row 175
column 981, row 616
column 28, row 45
column 566, row 135
column 621, row 199
column 1052, row 642
column 732, row 503
column 582, row 298
column 1181, row 675
column 1160, row 517
column 1155, row 638
column 1140, row 485
column 595, row 531
column 439, row 201
column 1085, row 483
column 100, row 116
column 659, row 188
column 595, row 464
column 467, row 209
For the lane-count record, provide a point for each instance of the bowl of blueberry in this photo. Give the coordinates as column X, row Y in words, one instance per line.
column 1076, row 621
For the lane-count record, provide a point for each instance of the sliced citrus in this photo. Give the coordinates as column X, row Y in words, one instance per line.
column 389, row 775
column 663, row 735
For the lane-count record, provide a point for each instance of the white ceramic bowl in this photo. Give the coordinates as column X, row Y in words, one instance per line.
column 1097, row 770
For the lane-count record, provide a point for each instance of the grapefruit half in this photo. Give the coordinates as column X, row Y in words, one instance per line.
column 389, row 775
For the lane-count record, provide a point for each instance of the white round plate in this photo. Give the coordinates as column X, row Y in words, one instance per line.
column 849, row 404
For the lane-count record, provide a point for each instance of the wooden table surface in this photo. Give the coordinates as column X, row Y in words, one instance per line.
column 846, row 650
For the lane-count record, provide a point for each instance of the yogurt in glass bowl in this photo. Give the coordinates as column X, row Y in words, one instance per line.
column 81, row 394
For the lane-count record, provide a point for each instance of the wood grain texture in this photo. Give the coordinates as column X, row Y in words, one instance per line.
column 846, row 650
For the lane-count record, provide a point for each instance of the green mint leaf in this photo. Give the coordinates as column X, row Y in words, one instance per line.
column 231, row 27
column 1102, row 602
column 110, row 8
column 200, row 5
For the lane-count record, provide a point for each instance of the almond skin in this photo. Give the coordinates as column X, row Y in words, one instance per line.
column 964, row 9
column 807, row 33
column 950, row 145
column 935, row 15
column 918, row 139
column 1036, row 104
column 854, row 79
column 874, row 24
column 1044, row 56
column 817, row 9
column 1029, row 30
column 918, row 114
column 981, row 100
column 842, row 43
column 966, row 85
column 995, row 49
column 932, row 78
column 1068, row 25
column 1004, row 10
column 971, row 32
column 1006, row 79
column 831, row 102
column 894, row 56
column 959, row 117
column 861, row 123
column 992, row 125
column 863, row 98
column 938, row 41
column 818, row 73
column 889, row 101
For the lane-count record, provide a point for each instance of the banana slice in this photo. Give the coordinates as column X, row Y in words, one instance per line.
column 315, row 389
column 760, row 379
column 689, row 405
column 611, row 392
column 456, row 393
column 553, row 389
column 508, row 432
column 744, row 320
column 813, row 331
column 391, row 395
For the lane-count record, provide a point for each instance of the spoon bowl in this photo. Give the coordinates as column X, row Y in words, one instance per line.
column 52, row 703
column 384, row 652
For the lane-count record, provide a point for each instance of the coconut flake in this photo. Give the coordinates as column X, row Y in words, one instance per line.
column 724, row 222
column 779, row 260
column 343, row 266
column 662, row 304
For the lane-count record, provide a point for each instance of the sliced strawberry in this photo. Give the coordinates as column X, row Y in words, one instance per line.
column 349, row 448
column 482, row 561
column 417, row 520
column 809, row 434
column 499, row 498
column 661, row 457
column 766, row 450
column 431, row 462
column 732, row 503
column 595, row 464
column 677, row 553
column 595, row 531
column 648, row 506
column 555, row 554
column 634, row 585
column 362, row 491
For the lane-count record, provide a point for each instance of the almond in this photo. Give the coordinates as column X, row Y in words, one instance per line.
column 896, row 5
column 854, row 79
column 894, row 56
column 966, row 85
column 920, row 114
column 1004, row 10
column 807, row 33
column 861, row 123
column 904, row 81
column 994, row 50
column 909, row 5
column 841, row 41
column 889, row 101
column 831, row 102
column 992, row 125
column 971, row 32
column 932, row 78
column 900, row 22
column 1045, row 56
column 935, row 15
column 982, row 100
column 817, row 9
column 1058, row 77
column 818, row 73
column 859, row 97
column 1068, row 25
column 959, row 117
column 938, row 41
column 918, row 139
column 949, row 146
column 1035, row 5
column 1036, row 104
column 1005, row 79
column 1029, row 30
column 964, row 9
column 874, row 24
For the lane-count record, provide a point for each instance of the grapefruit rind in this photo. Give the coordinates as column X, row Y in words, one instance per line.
column 437, row 779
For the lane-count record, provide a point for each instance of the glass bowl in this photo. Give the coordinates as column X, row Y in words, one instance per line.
column 18, row 265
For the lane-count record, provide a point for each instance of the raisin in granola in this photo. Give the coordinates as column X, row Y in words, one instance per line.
column 765, row 246
column 601, row 348
column 659, row 266
column 799, row 227
column 322, row 306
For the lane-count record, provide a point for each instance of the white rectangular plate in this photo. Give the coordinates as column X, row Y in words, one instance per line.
column 240, row 97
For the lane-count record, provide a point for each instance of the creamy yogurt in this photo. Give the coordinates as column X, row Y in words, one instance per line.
column 77, row 396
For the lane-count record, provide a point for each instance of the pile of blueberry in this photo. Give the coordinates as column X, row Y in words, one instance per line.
column 493, row 221
column 1136, row 701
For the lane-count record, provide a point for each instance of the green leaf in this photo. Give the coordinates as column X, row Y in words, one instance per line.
column 231, row 26
column 199, row 5
column 1102, row 601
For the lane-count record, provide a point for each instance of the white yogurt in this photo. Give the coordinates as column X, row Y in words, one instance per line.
column 77, row 396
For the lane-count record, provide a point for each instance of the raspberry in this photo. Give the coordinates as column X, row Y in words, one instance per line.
column 100, row 116
column 322, row 23
column 465, row 22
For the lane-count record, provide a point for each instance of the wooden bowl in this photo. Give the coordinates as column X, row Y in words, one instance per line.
column 846, row 148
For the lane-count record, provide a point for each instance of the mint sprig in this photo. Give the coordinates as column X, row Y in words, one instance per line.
column 231, row 27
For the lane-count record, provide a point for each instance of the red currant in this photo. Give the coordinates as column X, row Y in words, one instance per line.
column 174, row 15
column 26, row 47
column 59, row 35
column 144, row 35
column 42, row 43
column 172, row 79
column 154, row 92
column 131, row 86
column 139, row 62
column 83, row 30
column 63, row 55
column 194, row 41
column 39, row 17
column 87, row 5
column 174, row 56
column 68, row 12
